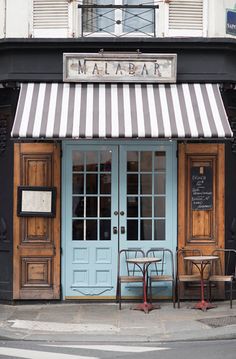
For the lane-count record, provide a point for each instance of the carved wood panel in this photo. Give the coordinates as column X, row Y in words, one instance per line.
column 198, row 227
column 36, row 271
column 37, row 239
column 36, row 171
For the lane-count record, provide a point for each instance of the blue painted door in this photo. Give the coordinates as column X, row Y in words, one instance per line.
column 90, row 199
column 114, row 196
column 147, row 191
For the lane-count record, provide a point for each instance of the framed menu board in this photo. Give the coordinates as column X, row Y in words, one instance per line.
column 34, row 201
column 201, row 188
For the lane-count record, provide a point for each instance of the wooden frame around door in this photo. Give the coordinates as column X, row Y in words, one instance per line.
column 202, row 229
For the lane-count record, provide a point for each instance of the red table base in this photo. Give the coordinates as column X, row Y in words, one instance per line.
column 203, row 305
column 146, row 307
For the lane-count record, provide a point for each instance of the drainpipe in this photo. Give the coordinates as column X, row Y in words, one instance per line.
column 5, row 19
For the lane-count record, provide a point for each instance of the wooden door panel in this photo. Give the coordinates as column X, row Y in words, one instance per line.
column 202, row 229
column 201, row 225
column 36, row 229
column 36, row 271
column 37, row 239
column 37, row 171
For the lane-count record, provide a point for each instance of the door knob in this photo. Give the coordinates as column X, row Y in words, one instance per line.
column 115, row 230
column 116, row 213
column 122, row 230
column 122, row 213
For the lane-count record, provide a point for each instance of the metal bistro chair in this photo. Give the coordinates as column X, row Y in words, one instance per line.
column 188, row 275
column 132, row 272
column 162, row 271
column 224, row 269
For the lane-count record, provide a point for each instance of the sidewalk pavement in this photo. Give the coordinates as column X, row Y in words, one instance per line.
column 105, row 322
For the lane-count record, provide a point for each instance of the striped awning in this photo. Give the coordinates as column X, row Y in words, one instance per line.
column 62, row 110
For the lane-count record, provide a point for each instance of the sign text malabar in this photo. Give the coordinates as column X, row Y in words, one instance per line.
column 146, row 68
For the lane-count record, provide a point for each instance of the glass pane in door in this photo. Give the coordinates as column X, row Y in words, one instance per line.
column 91, row 195
column 146, row 195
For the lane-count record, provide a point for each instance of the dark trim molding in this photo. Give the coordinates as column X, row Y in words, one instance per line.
column 199, row 59
column 97, row 42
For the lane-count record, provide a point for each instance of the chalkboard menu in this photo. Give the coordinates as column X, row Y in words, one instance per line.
column 202, row 188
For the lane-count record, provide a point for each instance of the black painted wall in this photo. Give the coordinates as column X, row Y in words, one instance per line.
column 229, row 98
column 8, row 98
column 198, row 59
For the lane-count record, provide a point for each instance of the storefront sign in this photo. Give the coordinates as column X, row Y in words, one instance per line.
column 120, row 68
column 231, row 22
column 202, row 188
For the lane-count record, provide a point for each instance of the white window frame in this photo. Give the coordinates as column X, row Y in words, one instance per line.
column 183, row 32
column 56, row 33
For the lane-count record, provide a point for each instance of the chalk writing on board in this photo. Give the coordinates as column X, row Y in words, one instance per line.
column 202, row 188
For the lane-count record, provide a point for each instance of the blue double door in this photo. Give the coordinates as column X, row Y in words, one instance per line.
column 114, row 196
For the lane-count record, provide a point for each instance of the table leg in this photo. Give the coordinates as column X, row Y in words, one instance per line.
column 145, row 306
column 203, row 304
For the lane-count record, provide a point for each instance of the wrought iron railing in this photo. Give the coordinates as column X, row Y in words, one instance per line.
column 118, row 20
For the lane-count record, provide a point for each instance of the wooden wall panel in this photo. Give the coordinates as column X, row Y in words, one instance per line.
column 36, row 271
column 37, row 239
column 37, row 171
column 201, row 225
column 203, row 229
column 36, row 229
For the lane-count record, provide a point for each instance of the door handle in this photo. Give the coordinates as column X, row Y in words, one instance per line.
column 115, row 230
column 122, row 230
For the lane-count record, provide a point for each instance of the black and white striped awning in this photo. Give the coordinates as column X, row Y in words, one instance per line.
column 62, row 110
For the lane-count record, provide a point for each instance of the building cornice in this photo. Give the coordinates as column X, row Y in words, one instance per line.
column 191, row 43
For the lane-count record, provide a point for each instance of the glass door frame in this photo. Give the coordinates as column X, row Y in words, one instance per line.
column 168, row 146
column 97, row 254
column 170, row 195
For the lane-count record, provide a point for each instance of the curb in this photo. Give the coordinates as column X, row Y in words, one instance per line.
column 226, row 334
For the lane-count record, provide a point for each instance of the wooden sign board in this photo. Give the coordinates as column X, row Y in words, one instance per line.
column 127, row 67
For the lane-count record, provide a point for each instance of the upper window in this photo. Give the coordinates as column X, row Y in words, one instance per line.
column 186, row 17
column 50, row 18
column 118, row 18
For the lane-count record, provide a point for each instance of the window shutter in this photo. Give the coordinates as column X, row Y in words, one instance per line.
column 50, row 14
column 186, row 15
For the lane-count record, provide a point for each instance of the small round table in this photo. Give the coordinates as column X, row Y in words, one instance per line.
column 201, row 262
column 143, row 263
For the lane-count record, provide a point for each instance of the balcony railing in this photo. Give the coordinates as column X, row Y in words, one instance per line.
column 118, row 20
